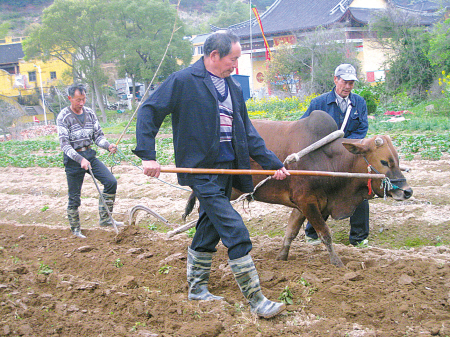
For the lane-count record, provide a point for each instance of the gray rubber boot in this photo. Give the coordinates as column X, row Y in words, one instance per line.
column 105, row 221
column 247, row 277
column 198, row 270
column 74, row 221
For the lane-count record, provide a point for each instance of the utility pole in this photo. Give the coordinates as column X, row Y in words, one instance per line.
column 42, row 93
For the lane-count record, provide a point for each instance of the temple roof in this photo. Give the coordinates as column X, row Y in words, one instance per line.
column 286, row 16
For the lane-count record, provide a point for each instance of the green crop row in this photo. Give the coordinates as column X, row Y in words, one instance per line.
column 429, row 147
column 47, row 153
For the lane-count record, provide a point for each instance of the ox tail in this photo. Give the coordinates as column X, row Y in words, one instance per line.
column 189, row 206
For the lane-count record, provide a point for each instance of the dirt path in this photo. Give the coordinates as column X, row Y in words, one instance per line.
column 134, row 283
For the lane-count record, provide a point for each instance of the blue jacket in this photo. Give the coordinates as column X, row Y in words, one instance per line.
column 357, row 124
column 190, row 97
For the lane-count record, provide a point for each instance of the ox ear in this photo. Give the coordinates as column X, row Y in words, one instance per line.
column 356, row 148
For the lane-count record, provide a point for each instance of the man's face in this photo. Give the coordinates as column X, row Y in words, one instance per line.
column 226, row 65
column 77, row 101
column 343, row 87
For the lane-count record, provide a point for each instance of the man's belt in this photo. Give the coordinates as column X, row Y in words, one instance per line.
column 84, row 148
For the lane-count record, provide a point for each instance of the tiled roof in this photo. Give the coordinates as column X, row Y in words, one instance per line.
column 11, row 53
column 199, row 38
column 300, row 15
column 421, row 5
column 363, row 15
column 292, row 15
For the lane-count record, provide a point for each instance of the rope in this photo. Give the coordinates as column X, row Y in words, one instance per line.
column 117, row 162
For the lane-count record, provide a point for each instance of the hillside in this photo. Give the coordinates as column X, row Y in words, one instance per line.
column 20, row 14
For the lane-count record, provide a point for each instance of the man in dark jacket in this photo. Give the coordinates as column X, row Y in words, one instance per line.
column 211, row 129
column 349, row 111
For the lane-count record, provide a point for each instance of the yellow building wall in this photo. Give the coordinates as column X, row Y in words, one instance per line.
column 196, row 56
column 259, row 68
column 53, row 65
column 8, row 81
column 373, row 57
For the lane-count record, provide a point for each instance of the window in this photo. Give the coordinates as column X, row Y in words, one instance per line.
column 53, row 75
column 32, row 76
column 200, row 50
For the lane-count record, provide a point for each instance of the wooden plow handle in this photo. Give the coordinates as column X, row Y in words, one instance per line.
column 270, row 172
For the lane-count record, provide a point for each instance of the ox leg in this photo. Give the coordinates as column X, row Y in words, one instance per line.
column 323, row 231
column 295, row 222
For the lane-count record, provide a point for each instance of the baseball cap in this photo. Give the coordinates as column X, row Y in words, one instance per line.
column 346, row 71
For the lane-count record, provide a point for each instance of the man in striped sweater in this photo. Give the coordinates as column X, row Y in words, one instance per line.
column 78, row 129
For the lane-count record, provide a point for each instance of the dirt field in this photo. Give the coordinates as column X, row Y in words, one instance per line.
column 134, row 283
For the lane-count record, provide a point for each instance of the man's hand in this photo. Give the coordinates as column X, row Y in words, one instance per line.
column 281, row 174
column 85, row 164
column 151, row 168
column 112, row 148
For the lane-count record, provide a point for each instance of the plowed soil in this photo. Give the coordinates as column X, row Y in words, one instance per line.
column 134, row 283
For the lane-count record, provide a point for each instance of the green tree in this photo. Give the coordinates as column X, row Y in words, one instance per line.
column 4, row 28
column 439, row 52
column 76, row 32
column 262, row 5
column 142, row 30
column 230, row 12
column 314, row 59
column 406, row 45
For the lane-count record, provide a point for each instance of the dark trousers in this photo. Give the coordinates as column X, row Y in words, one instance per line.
column 359, row 224
column 218, row 220
column 75, row 176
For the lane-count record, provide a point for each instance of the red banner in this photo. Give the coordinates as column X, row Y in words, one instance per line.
column 266, row 44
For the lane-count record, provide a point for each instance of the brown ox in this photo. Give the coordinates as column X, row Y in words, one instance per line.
column 316, row 197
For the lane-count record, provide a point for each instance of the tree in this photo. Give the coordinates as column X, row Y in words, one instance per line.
column 439, row 52
column 262, row 5
column 314, row 59
column 77, row 33
column 4, row 28
column 406, row 43
column 230, row 12
column 142, row 30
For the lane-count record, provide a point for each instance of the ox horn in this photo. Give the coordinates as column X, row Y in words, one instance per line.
column 379, row 141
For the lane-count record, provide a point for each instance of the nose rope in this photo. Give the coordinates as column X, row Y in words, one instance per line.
column 386, row 183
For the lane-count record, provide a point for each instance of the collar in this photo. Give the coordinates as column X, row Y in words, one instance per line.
column 198, row 68
column 332, row 97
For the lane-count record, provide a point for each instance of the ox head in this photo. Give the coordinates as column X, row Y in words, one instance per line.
column 381, row 156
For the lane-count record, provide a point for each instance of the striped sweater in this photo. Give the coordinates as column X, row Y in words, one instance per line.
column 73, row 134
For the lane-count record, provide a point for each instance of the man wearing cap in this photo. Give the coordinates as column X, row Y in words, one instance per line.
column 349, row 111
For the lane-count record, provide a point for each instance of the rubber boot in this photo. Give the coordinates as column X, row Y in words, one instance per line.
column 105, row 221
column 74, row 221
column 247, row 277
column 198, row 270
